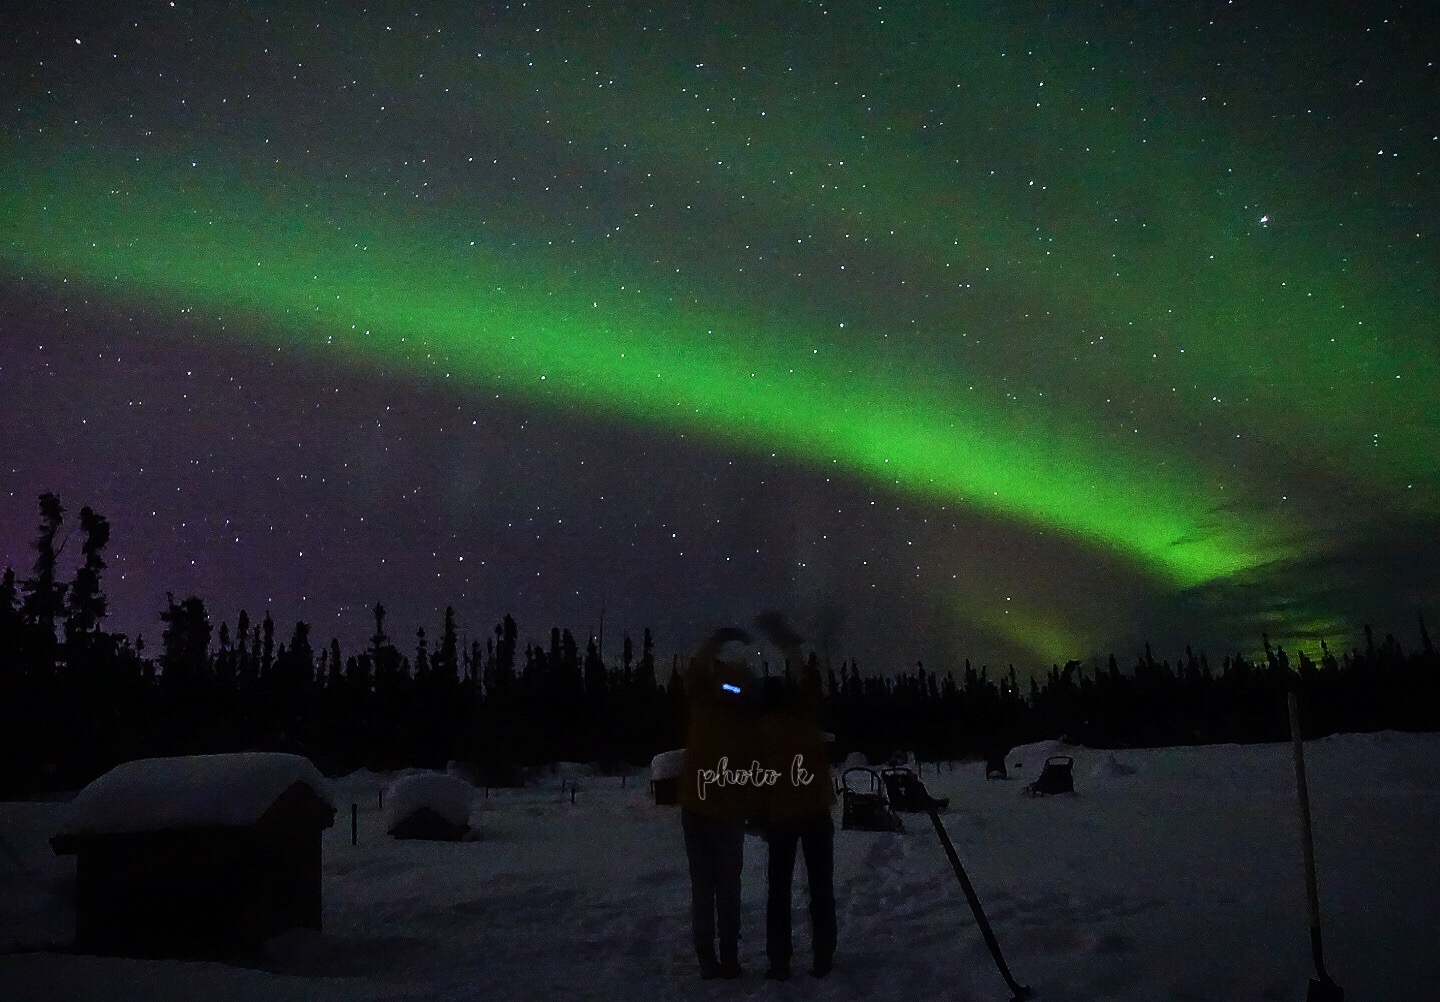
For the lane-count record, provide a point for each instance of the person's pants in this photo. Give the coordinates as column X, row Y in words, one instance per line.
column 716, row 853
column 815, row 836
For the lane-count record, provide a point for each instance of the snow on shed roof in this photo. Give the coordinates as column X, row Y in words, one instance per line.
column 189, row 791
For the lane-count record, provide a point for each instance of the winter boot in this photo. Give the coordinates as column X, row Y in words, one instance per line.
column 729, row 967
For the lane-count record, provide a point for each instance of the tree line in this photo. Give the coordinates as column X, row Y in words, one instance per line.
column 76, row 699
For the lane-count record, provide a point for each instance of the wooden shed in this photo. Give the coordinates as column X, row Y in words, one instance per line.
column 197, row 856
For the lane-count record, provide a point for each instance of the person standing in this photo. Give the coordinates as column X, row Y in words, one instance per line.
column 795, row 810
column 720, row 739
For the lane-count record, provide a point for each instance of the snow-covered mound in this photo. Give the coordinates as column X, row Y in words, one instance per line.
column 448, row 796
column 1026, row 761
column 668, row 765
column 189, row 791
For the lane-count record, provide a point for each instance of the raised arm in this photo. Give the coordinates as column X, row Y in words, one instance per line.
column 805, row 671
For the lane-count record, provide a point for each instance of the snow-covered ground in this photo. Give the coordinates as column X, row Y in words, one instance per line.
column 1172, row 874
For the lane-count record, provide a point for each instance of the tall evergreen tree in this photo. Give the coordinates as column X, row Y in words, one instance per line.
column 300, row 659
column 647, row 660
column 10, row 642
column 502, row 672
column 267, row 648
column 244, row 654
column 571, row 682
column 594, row 669
column 446, row 661
column 422, row 657
column 86, row 604
column 44, row 594
column 186, row 641
column 379, row 640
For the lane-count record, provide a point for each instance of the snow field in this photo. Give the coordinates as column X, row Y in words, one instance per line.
column 1180, row 880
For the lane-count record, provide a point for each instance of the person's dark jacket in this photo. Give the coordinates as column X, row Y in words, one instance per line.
column 792, row 744
column 720, row 734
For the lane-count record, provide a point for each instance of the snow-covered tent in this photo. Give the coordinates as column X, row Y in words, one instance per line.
column 199, row 855
column 429, row 805
column 665, row 772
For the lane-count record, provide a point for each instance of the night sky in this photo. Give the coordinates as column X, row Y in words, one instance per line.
column 1013, row 331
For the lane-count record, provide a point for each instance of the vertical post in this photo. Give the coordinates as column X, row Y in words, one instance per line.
column 354, row 824
column 1322, row 988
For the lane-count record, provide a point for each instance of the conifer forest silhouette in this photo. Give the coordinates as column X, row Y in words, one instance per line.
column 76, row 699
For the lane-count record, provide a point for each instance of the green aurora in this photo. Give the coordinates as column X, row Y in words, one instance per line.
column 387, row 294
column 1079, row 306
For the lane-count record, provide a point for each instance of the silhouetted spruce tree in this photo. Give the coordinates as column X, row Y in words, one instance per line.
column 85, row 604
column 594, row 670
column 186, row 640
column 43, row 594
column 501, row 678
column 225, row 667
column 18, row 752
column 474, row 664
column 244, row 662
column 379, row 640
column 536, row 673
column 10, row 628
column 571, row 681
column 267, row 649
column 422, row 658
column 445, row 662
column 299, row 673
column 358, row 678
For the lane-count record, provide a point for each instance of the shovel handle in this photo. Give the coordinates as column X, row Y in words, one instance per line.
column 1307, row 840
column 1323, row 989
